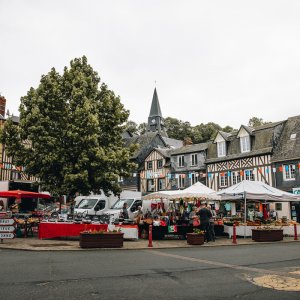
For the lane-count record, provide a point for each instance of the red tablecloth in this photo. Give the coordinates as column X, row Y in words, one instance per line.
column 52, row 230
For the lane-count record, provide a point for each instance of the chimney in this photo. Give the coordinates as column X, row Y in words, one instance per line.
column 187, row 141
column 2, row 106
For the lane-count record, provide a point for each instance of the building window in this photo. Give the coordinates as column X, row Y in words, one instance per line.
column 223, row 180
column 15, row 175
column 149, row 165
column 289, row 172
column 181, row 181
column 161, row 184
column 236, row 177
column 181, row 161
column 221, row 148
column 150, row 185
column 194, row 178
column 278, row 206
column 194, row 160
column 159, row 164
column 249, row 175
column 245, row 143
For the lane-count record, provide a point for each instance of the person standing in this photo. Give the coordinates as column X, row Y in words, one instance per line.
column 125, row 211
column 205, row 215
column 211, row 228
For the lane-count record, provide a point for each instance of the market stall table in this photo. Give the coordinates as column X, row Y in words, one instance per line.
column 287, row 230
column 130, row 231
column 64, row 229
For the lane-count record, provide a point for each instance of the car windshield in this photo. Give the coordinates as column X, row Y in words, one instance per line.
column 87, row 203
column 119, row 204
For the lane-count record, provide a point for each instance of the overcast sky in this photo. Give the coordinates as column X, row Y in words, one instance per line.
column 213, row 61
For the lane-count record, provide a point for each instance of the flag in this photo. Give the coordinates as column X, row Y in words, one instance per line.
column 172, row 228
column 259, row 170
column 228, row 173
column 280, row 169
column 267, row 170
column 274, row 170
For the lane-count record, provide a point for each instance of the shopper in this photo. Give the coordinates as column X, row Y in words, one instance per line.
column 211, row 228
column 125, row 211
column 204, row 215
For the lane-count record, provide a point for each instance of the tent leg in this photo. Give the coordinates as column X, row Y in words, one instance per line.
column 245, row 214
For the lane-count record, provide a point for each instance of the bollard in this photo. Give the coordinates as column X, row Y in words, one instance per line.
column 295, row 232
column 150, row 236
column 234, row 234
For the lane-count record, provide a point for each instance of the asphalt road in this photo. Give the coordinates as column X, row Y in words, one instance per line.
column 197, row 273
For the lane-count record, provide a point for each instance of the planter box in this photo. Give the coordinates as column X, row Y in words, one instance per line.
column 195, row 239
column 101, row 240
column 267, row 235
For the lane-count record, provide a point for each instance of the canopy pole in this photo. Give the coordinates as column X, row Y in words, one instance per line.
column 245, row 213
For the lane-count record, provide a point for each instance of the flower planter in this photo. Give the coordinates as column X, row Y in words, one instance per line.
column 195, row 238
column 267, row 235
column 101, row 240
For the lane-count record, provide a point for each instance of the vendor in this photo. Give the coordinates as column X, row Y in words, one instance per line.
column 125, row 211
column 138, row 215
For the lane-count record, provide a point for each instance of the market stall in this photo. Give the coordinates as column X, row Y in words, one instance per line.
column 66, row 229
column 173, row 214
column 249, row 192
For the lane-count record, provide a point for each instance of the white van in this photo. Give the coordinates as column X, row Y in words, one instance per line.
column 100, row 204
column 132, row 206
column 91, row 205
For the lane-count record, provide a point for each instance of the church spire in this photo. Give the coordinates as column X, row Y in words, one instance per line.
column 155, row 119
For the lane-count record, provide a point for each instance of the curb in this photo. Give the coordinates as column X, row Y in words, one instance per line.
column 147, row 248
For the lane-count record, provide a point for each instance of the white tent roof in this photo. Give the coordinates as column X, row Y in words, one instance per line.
column 197, row 190
column 162, row 194
column 256, row 190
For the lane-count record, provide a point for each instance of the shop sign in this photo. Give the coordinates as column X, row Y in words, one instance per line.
column 7, row 228
column 296, row 191
column 7, row 222
column 6, row 235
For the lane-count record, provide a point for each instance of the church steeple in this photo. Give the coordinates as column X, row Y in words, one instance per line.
column 155, row 119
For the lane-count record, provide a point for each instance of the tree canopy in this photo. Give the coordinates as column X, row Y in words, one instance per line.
column 70, row 133
column 255, row 121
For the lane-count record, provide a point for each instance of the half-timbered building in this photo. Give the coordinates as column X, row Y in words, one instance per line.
column 242, row 154
column 155, row 175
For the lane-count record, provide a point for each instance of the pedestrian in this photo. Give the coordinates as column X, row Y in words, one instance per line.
column 211, row 228
column 204, row 215
column 125, row 211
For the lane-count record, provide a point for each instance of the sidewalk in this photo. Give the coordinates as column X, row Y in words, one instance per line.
column 34, row 244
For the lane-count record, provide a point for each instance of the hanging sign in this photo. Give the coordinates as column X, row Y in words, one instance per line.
column 6, row 235
column 7, row 228
column 7, row 222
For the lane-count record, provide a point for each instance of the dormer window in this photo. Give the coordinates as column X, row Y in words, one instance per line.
column 221, row 148
column 245, row 143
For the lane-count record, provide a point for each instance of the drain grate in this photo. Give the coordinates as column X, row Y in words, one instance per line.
column 49, row 245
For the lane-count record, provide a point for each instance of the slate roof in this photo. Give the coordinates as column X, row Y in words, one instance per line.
column 164, row 151
column 148, row 141
column 155, row 107
column 172, row 142
column 263, row 139
column 190, row 149
column 287, row 148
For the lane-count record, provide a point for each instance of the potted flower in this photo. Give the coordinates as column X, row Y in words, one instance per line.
column 267, row 234
column 196, row 237
column 101, row 239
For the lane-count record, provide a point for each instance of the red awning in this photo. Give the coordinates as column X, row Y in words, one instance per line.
column 22, row 194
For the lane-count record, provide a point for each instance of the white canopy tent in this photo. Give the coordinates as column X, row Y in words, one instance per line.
column 197, row 190
column 255, row 190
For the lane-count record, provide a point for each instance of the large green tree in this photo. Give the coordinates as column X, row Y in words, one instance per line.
column 69, row 135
